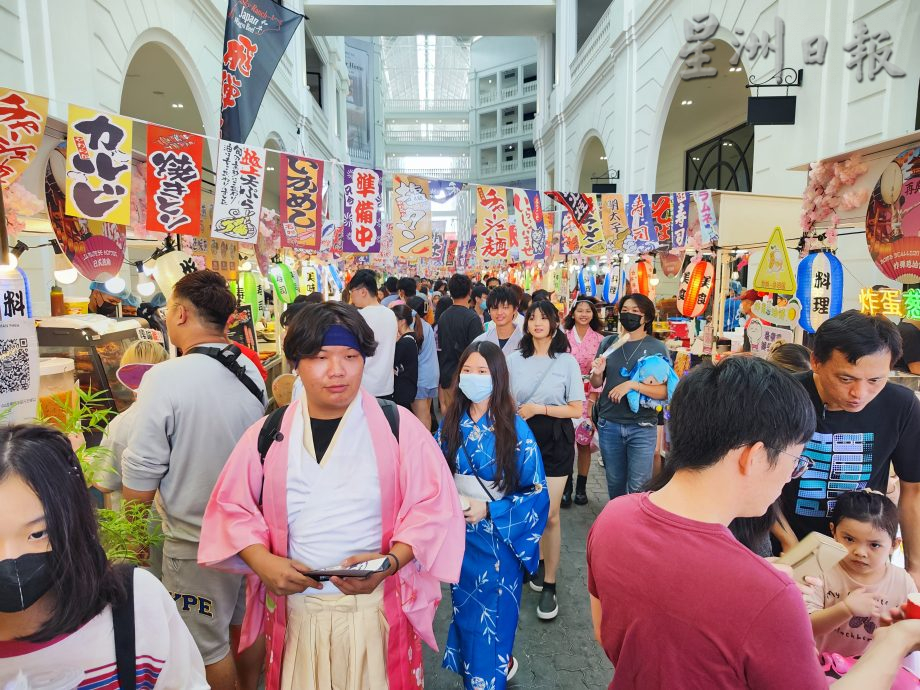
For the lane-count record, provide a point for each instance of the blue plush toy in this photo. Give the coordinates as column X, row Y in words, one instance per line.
column 653, row 369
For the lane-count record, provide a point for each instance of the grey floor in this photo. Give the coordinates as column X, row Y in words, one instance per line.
column 556, row 654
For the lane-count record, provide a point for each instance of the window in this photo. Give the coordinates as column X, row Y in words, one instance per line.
column 724, row 162
column 315, row 68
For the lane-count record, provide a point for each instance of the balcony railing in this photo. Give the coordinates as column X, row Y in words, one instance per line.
column 488, row 133
column 530, row 164
column 528, row 126
column 509, row 130
column 487, row 97
column 510, row 166
column 596, row 48
column 434, row 104
column 359, row 154
column 488, row 168
column 509, row 92
column 433, row 173
column 438, row 136
column 530, row 88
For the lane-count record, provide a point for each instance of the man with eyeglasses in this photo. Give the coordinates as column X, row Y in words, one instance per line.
column 864, row 424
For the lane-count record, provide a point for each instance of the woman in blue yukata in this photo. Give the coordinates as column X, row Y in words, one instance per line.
column 499, row 474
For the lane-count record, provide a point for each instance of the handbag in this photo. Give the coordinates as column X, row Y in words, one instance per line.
column 472, row 486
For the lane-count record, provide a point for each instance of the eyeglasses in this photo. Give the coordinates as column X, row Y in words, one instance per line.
column 803, row 463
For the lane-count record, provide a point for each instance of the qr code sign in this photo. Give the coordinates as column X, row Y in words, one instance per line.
column 14, row 365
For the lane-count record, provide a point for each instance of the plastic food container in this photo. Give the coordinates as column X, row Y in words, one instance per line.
column 76, row 305
column 57, row 391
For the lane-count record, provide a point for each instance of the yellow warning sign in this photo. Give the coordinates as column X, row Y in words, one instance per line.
column 775, row 272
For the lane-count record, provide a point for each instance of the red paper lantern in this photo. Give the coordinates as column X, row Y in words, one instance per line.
column 695, row 289
column 642, row 276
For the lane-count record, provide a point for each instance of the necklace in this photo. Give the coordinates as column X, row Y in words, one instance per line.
column 635, row 350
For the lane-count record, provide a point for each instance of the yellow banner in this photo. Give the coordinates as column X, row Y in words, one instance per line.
column 613, row 220
column 98, row 165
column 22, row 123
column 412, row 235
column 493, row 236
column 590, row 236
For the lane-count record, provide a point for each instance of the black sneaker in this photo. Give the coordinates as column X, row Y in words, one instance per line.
column 548, row 608
column 536, row 581
column 566, row 500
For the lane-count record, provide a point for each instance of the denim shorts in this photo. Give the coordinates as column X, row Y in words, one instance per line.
column 426, row 393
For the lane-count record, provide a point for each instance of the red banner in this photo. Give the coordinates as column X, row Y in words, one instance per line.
column 301, row 202
column 173, row 181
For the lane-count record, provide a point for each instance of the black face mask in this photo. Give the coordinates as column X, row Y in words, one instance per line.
column 630, row 321
column 24, row 580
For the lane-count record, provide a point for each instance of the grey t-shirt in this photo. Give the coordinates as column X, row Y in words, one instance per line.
column 626, row 356
column 545, row 380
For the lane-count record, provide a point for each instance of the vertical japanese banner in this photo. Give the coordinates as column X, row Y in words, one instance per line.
column 19, row 352
column 363, row 201
column 641, row 225
column 450, row 254
column 577, row 204
column 98, row 166
column 301, row 202
column 661, row 215
column 173, row 181
column 255, row 37
column 539, row 234
column 411, row 217
column 709, row 225
column 590, row 235
column 524, row 224
column 613, row 221
column 680, row 219
column 438, row 239
column 22, row 123
column 569, row 242
column 493, row 238
column 238, row 192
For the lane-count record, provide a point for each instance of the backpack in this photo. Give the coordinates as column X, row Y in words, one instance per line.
column 271, row 431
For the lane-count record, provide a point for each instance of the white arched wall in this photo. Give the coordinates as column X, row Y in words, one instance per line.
column 589, row 162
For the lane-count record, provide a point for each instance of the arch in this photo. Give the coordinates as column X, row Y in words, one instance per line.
column 275, row 141
column 592, row 160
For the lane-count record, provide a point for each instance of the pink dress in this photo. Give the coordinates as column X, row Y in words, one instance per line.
column 585, row 351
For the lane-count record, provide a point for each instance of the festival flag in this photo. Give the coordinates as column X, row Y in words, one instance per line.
column 301, row 202
column 438, row 240
column 255, row 37
column 363, row 201
column 98, row 166
column 238, row 192
column 411, row 217
column 173, row 181
column 531, row 229
column 590, row 236
column 661, row 216
column 709, row 226
column 450, row 254
column 568, row 235
column 680, row 219
column 22, row 123
column 493, row 238
column 579, row 205
column 444, row 190
column 641, row 225
column 613, row 221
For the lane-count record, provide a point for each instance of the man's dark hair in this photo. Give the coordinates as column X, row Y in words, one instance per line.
column 408, row 286
column 308, row 326
column 84, row 582
column 502, row 295
column 541, row 296
column 736, row 403
column 479, row 291
column 646, row 306
column 495, row 282
column 208, row 293
column 856, row 335
column 439, row 286
column 365, row 278
column 459, row 286
column 391, row 284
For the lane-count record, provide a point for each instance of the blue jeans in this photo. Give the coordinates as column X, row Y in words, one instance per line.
column 628, row 451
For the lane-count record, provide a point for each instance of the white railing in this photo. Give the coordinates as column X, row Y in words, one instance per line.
column 434, row 173
column 597, row 46
column 530, row 164
column 488, row 169
column 488, row 133
column 509, row 166
column 528, row 126
column 509, row 92
column 434, row 104
column 530, row 88
column 446, row 136
column 359, row 154
column 487, row 97
column 509, row 130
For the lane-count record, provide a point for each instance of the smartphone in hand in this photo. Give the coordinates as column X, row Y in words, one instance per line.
column 365, row 569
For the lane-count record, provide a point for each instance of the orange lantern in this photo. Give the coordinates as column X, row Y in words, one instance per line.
column 695, row 289
column 642, row 276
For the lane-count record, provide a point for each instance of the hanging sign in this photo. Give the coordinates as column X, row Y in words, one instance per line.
column 763, row 337
column 492, row 232
column 538, row 233
column 241, row 327
column 238, row 192
column 779, row 314
column 587, row 284
column 579, row 205
column 301, row 202
column 695, row 289
column 98, row 166
column 641, row 225
column 526, row 224
column 884, row 302
column 820, row 289
column 363, row 199
column 591, row 236
column 22, row 124
column 170, row 268
column 411, row 217
column 613, row 221
column 568, row 234
column 661, row 215
column 18, row 349
column 438, row 242
column 774, row 274
column 709, row 225
column 173, row 181
column 309, row 280
column 893, row 219
column 671, row 262
column 680, row 216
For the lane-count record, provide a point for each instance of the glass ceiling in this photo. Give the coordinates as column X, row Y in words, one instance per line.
column 426, row 68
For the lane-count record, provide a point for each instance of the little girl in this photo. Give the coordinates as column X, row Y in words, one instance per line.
column 845, row 609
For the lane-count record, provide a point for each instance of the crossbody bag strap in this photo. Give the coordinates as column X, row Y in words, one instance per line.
column 123, row 630
column 228, row 359
column 475, row 473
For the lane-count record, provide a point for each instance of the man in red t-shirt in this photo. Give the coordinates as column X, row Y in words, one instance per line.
column 677, row 602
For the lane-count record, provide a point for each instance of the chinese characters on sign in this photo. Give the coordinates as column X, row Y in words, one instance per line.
column 613, row 221
column 885, row 302
column 661, row 214
column 173, row 180
column 893, row 218
column 411, row 217
column 680, row 214
column 819, row 289
column 590, row 236
column 301, row 202
column 530, row 227
column 709, row 226
column 763, row 337
column 19, row 371
column 238, row 192
column 22, row 123
column 577, row 204
column 363, row 199
column 493, row 237
column 912, row 304
column 98, row 166
column 641, row 225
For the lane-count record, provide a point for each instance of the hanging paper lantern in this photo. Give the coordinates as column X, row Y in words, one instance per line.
column 249, row 291
column 284, row 282
column 820, row 289
column 695, row 289
column 642, row 277
column 587, row 285
column 613, row 283
column 671, row 262
column 309, row 280
column 170, row 268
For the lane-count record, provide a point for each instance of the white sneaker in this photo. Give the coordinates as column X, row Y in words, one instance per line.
column 512, row 669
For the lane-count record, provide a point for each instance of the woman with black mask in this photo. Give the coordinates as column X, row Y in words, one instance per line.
column 626, row 438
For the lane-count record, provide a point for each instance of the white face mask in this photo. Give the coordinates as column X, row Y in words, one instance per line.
column 476, row 387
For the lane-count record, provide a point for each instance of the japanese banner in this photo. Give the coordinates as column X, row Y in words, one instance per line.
column 641, row 225
column 363, row 201
column 238, row 192
column 22, row 123
column 613, row 221
column 579, row 205
column 173, row 180
column 531, row 230
column 709, row 226
column 301, row 202
column 411, row 217
column 661, row 215
column 19, row 393
column 493, row 236
column 450, row 254
column 255, row 37
column 98, row 166
column 590, row 236
column 680, row 218
column 568, row 233
column 438, row 239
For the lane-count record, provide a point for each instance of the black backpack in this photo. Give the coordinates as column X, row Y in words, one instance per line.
column 271, row 430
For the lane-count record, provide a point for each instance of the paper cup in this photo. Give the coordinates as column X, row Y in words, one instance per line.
column 913, row 605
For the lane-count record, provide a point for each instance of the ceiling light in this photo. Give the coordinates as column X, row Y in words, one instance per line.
column 145, row 286
column 177, row 105
column 603, row 158
column 115, row 285
column 696, row 158
column 686, row 102
column 269, row 169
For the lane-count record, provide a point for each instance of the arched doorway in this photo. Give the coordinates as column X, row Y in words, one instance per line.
column 593, row 164
column 706, row 142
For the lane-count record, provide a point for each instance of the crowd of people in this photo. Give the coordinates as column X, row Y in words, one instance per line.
column 431, row 437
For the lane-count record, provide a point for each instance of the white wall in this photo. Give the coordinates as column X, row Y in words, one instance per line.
column 490, row 52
